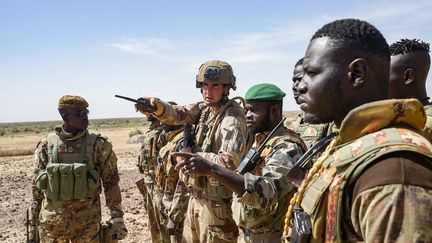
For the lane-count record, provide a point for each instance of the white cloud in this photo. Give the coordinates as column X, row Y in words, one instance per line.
column 143, row 46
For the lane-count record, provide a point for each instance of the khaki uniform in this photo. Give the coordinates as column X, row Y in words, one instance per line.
column 166, row 180
column 310, row 133
column 69, row 175
column 209, row 215
column 371, row 185
column 263, row 223
column 147, row 162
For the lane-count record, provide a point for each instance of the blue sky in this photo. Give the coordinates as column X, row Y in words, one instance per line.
column 153, row 48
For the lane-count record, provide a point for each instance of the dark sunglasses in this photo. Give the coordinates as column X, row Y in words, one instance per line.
column 80, row 113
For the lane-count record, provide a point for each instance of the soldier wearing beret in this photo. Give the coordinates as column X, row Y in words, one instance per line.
column 72, row 167
column 258, row 208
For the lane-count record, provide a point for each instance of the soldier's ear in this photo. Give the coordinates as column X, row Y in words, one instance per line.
column 409, row 76
column 357, row 72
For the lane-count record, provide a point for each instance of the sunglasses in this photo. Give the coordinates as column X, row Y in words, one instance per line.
column 79, row 113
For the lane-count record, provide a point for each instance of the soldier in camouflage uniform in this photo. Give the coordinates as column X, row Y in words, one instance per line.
column 310, row 133
column 147, row 161
column 409, row 67
column 260, row 219
column 73, row 165
column 220, row 128
column 372, row 183
column 166, row 180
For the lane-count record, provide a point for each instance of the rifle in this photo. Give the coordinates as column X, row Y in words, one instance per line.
column 188, row 137
column 144, row 103
column 299, row 169
column 250, row 161
column 31, row 222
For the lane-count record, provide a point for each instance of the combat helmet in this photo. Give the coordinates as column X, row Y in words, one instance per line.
column 216, row 71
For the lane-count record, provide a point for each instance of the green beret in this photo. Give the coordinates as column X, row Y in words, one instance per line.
column 264, row 91
column 72, row 101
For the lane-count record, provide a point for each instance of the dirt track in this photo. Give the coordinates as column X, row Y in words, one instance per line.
column 15, row 174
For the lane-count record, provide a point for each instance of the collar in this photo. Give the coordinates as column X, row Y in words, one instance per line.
column 374, row 116
column 68, row 136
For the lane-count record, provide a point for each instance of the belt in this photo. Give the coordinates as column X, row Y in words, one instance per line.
column 200, row 194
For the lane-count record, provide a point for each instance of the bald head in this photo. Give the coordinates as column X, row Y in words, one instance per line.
column 409, row 67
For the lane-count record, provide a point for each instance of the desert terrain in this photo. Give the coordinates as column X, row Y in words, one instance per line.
column 18, row 141
column 15, row 180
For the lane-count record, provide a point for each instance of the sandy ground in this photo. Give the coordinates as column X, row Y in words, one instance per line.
column 15, row 179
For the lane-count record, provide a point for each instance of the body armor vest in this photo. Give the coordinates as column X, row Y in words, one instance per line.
column 269, row 219
column 323, row 198
column 208, row 187
column 72, row 171
column 166, row 174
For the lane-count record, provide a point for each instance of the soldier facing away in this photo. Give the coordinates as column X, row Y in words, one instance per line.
column 409, row 67
column 372, row 184
column 147, row 162
column 220, row 128
column 261, row 194
column 72, row 166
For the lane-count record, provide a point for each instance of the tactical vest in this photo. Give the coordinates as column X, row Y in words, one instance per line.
column 147, row 159
column 323, row 198
column 72, row 171
column 209, row 187
column 269, row 219
column 427, row 131
column 310, row 133
column 166, row 174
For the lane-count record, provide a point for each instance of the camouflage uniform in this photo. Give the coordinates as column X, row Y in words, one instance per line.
column 372, row 184
column 310, row 133
column 427, row 131
column 166, row 180
column 73, row 211
column 264, row 223
column 209, row 215
column 147, row 162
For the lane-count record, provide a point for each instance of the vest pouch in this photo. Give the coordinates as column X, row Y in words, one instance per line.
column 66, row 182
column 93, row 180
column 53, row 187
column 42, row 180
column 80, row 187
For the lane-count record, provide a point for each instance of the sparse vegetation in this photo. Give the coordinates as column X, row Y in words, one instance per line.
column 135, row 132
column 29, row 128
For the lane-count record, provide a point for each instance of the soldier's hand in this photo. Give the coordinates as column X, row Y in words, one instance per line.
column 118, row 229
column 194, row 164
column 170, row 226
column 154, row 102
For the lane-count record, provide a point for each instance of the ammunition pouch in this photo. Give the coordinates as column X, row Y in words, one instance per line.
column 63, row 182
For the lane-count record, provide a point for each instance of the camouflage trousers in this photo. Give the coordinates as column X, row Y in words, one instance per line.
column 152, row 215
column 208, row 221
column 160, row 212
column 86, row 233
column 246, row 236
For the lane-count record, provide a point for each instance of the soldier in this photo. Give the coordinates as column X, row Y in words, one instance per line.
column 409, row 67
column 220, row 127
column 258, row 208
column 372, row 184
column 72, row 165
column 166, row 180
column 310, row 133
column 147, row 161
